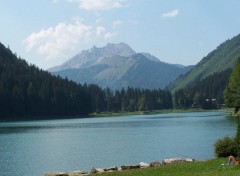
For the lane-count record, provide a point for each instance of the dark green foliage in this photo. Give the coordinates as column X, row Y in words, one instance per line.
column 232, row 92
column 226, row 147
column 206, row 94
column 229, row 146
column 27, row 92
column 232, row 98
column 135, row 99
column 130, row 99
column 237, row 137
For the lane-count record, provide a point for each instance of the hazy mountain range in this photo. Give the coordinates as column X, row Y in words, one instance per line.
column 118, row 66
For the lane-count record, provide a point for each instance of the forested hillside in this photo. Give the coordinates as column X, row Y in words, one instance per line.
column 222, row 58
column 27, row 92
column 206, row 94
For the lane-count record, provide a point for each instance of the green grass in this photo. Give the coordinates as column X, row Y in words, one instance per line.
column 126, row 113
column 204, row 168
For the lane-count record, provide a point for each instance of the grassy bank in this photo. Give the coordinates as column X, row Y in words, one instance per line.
column 125, row 113
column 205, row 168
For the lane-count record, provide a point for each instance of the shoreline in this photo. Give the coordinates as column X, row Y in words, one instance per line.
column 141, row 165
column 209, row 167
column 123, row 113
column 153, row 112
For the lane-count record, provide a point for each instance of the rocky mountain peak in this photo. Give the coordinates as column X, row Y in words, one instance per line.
column 90, row 57
column 121, row 49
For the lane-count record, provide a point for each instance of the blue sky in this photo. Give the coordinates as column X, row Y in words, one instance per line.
column 48, row 32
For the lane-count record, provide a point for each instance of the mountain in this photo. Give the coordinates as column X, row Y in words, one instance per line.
column 222, row 58
column 88, row 58
column 118, row 66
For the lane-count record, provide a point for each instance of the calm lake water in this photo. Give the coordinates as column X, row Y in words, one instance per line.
column 36, row 147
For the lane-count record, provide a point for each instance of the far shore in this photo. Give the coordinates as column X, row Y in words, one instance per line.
column 125, row 113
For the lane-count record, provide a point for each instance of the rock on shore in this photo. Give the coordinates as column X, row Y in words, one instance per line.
column 129, row 167
column 75, row 173
column 177, row 160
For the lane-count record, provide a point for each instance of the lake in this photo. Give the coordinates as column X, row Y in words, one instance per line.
column 36, row 147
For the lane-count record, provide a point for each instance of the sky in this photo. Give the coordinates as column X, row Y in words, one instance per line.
column 49, row 32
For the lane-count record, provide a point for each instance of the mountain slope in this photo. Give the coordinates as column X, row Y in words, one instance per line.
column 119, row 69
column 27, row 92
column 221, row 59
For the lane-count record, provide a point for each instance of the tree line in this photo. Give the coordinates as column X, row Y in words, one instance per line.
column 130, row 99
column 27, row 92
column 206, row 94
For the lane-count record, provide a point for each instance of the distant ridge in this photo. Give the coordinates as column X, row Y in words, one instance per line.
column 118, row 66
column 222, row 58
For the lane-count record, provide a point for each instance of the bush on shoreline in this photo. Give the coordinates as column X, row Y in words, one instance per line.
column 226, row 147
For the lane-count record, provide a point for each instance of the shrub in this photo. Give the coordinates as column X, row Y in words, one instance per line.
column 226, row 147
column 237, row 137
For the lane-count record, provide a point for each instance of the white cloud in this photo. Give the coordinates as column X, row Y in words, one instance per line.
column 54, row 40
column 100, row 30
column 117, row 23
column 171, row 14
column 65, row 39
column 99, row 18
column 109, row 35
column 98, row 4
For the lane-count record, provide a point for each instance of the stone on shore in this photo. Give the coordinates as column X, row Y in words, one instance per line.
column 129, row 167
column 144, row 165
column 96, row 170
column 74, row 173
column 177, row 160
column 190, row 160
column 111, row 169
column 155, row 164
column 77, row 173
